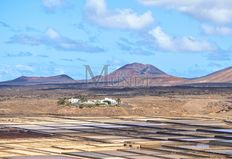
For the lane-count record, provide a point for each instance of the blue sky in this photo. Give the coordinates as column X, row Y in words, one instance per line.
column 187, row 38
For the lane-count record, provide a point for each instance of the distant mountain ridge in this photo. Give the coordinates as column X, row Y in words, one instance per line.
column 221, row 76
column 24, row 80
column 138, row 72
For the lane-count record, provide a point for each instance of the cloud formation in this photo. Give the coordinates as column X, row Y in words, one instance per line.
column 20, row 54
column 132, row 48
column 52, row 5
column 97, row 11
column 216, row 30
column 73, row 59
column 24, row 68
column 3, row 24
column 218, row 11
column 54, row 39
column 165, row 42
column 221, row 55
column 42, row 56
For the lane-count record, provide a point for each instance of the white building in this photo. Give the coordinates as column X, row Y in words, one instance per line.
column 105, row 101
column 110, row 101
column 74, row 101
column 89, row 102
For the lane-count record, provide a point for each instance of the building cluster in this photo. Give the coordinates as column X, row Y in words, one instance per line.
column 103, row 102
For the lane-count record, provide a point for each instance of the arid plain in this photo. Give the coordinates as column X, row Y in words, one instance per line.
column 155, row 101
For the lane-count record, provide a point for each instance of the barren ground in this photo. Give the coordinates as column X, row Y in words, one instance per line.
column 214, row 103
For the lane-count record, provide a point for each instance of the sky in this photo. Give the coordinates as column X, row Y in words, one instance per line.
column 185, row 38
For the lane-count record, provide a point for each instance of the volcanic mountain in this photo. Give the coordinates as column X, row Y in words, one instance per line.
column 134, row 74
column 138, row 73
column 137, row 70
column 24, row 80
column 221, row 76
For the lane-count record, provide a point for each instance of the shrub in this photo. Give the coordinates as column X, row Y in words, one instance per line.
column 61, row 101
column 83, row 98
column 118, row 101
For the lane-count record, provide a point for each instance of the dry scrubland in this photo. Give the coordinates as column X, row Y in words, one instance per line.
column 215, row 103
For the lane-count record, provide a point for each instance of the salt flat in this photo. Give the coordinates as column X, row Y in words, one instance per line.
column 64, row 137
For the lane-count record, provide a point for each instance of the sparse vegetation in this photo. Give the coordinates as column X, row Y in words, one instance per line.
column 166, row 101
column 61, row 101
column 118, row 101
column 82, row 98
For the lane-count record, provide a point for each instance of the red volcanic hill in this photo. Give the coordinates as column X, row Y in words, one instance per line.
column 140, row 73
column 138, row 70
column 221, row 76
column 23, row 80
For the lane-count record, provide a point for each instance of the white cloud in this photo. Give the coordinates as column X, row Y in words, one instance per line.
column 53, row 38
column 51, row 5
column 216, row 30
column 162, row 39
column 96, row 10
column 166, row 42
column 58, row 41
column 218, row 11
column 24, row 67
column 52, row 34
